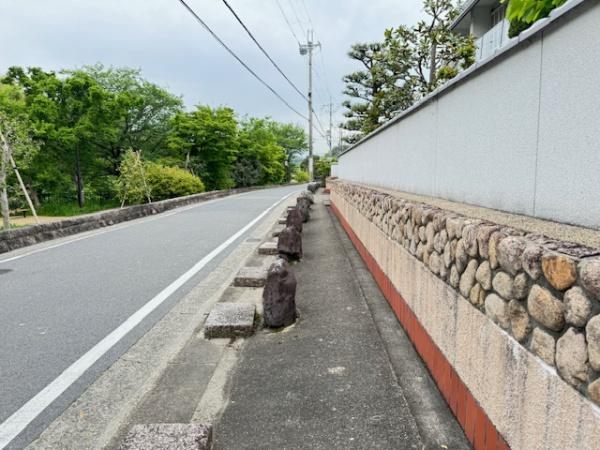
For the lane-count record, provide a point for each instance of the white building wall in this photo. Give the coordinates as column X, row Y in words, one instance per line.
column 519, row 132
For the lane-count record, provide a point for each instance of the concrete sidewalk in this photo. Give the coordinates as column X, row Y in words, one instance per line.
column 344, row 376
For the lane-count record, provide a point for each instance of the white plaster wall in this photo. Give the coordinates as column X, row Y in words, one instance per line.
column 520, row 134
column 568, row 170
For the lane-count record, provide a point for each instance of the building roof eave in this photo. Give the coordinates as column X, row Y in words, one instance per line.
column 467, row 7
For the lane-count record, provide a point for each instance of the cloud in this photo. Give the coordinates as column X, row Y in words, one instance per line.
column 162, row 39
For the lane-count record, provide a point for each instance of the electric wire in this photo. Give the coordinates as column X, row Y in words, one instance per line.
column 241, row 22
column 307, row 14
column 297, row 17
column 288, row 22
column 238, row 59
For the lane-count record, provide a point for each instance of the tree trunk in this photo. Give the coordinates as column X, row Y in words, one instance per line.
column 432, row 66
column 3, row 192
column 79, row 180
column 187, row 160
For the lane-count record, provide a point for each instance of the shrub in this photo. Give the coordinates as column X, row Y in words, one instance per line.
column 169, row 182
column 301, row 176
column 132, row 184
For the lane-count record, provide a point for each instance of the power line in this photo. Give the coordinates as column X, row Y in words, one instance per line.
column 307, row 14
column 297, row 18
column 231, row 52
column 263, row 50
column 288, row 22
column 241, row 22
column 324, row 72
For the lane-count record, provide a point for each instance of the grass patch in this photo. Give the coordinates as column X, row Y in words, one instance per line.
column 58, row 209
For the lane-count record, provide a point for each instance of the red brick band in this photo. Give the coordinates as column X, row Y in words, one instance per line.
column 478, row 428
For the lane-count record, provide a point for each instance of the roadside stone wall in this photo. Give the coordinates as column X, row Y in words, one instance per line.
column 23, row 237
column 545, row 293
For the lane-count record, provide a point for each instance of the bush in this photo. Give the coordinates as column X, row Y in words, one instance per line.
column 301, row 176
column 169, row 182
column 132, row 184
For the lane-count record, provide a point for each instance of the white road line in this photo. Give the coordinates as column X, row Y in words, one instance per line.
column 121, row 226
column 18, row 421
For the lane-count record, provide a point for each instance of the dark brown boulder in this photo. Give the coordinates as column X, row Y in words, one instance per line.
column 289, row 244
column 279, row 295
column 303, row 205
column 308, row 195
column 295, row 219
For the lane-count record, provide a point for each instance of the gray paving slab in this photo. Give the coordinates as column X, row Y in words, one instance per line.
column 169, row 436
column 230, row 320
column 268, row 248
column 251, row 277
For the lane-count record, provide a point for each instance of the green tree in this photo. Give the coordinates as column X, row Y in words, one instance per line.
column 366, row 86
column 66, row 113
column 408, row 64
column 139, row 111
column 430, row 48
column 292, row 139
column 261, row 160
column 206, row 139
column 323, row 167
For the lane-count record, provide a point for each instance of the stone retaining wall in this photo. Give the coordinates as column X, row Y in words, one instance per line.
column 23, row 237
column 516, row 314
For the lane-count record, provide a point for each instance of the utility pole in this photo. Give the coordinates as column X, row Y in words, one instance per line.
column 308, row 49
column 330, row 125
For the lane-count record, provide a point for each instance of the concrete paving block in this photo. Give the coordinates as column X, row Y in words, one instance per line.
column 268, row 248
column 227, row 320
column 282, row 221
column 172, row 436
column 250, row 277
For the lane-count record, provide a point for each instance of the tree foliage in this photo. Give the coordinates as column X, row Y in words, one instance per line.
column 206, row 140
column 77, row 135
column 523, row 13
column 409, row 63
column 138, row 112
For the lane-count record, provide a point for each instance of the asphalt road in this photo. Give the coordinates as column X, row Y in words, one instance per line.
column 58, row 302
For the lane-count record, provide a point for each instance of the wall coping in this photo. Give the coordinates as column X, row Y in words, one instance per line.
column 589, row 237
column 515, row 44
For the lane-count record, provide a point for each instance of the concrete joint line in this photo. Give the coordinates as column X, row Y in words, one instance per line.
column 216, row 396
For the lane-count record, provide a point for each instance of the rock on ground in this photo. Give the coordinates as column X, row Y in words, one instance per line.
column 279, row 295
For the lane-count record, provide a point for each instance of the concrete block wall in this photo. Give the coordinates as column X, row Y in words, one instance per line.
column 517, row 132
column 507, row 321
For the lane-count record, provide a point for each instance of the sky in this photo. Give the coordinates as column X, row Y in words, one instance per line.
column 172, row 50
